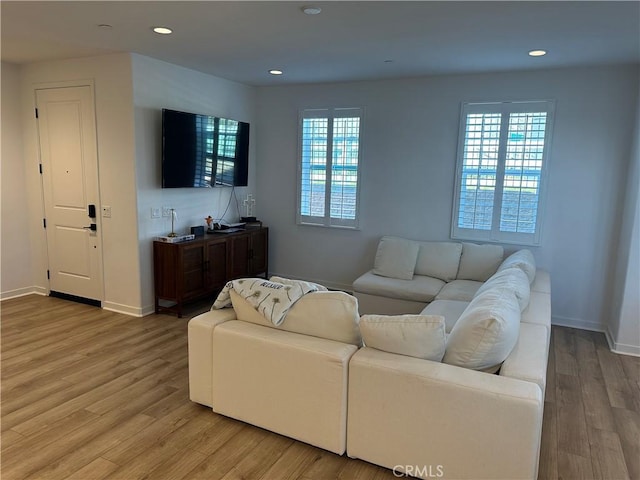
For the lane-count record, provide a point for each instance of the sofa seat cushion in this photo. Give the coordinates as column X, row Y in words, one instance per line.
column 462, row 290
column 329, row 315
column 420, row 336
column 439, row 260
column 420, row 289
column 486, row 332
column 451, row 310
column 528, row 360
column 396, row 258
column 479, row 262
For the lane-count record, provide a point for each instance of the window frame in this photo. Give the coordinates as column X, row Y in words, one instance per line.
column 494, row 234
column 330, row 113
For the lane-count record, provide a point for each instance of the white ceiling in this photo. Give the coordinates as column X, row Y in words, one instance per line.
column 349, row 40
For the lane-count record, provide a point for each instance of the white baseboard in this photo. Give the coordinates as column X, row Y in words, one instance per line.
column 577, row 323
column 21, row 292
column 622, row 348
column 126, row 309
column 330, row 285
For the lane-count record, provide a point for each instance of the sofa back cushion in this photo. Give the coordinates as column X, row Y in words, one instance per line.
column 439, row 260
column 396, row 258
column 330, row 315
column 479, row 262
column 420, row 336
column 513, row 279
column 522, row 259
column 486, row 332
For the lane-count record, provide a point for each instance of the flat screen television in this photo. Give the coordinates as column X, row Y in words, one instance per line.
column 203, row 151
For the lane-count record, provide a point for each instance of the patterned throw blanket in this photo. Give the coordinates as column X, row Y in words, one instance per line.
column 272, row 298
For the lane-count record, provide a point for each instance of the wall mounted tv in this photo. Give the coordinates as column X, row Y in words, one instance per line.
column 203, row 151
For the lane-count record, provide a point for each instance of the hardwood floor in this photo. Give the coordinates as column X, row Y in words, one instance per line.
column 91, row 394
column 591, row 423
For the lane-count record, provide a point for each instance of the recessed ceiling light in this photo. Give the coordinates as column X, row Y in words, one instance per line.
column 105, row 26
column 275, row 72
column 311, row 10
column 537, row 53
column 163, row 30
column 388, row 61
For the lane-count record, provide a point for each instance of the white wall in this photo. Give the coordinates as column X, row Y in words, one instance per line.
column 409, row 154
column 624, row 327
column 14, row 234
column 160, row 85
column 111, row 76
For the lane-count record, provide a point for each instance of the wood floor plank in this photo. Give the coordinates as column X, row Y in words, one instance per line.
column 158, row 452
column 574, row 467
column 86, row 394
column 178, row 465
column 106, row 396
column 219, row 432
column 620, row 391
column 548, row 463
column 571, row 422
column 359, row 470
column 293, row 462
column 47, row 435
column 628, row 429
column 72, row 441
column 597, row 409
column 550, row 390
column 267, row 452
column 327, row 465
column 219, row 463
column 565, row 352
column 607, row 458
column 96, row 470
column 66, row 465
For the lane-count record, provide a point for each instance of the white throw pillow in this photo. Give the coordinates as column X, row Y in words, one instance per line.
column 479, row 262
column 513, row 279
column 396, row 258
column 439, row 260
column 486, row 332
column 421, row 336
column 522, row 259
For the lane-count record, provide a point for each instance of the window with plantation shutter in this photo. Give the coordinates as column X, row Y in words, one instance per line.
column 329, row 167
column 502, row 157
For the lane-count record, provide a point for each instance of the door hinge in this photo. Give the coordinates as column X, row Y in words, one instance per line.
column 44, row 222
column 36, row 113
column 40, row 168
column 48, row 275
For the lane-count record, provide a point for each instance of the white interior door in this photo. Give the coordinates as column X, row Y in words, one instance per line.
column 68, row 153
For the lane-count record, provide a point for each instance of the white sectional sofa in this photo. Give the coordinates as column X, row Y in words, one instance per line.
column 455, row 391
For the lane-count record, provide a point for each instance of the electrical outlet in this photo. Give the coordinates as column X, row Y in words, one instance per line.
column 166, row 211
column 106, row 211
column 155, row 213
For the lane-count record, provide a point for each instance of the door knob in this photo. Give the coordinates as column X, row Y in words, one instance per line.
column 93, row 227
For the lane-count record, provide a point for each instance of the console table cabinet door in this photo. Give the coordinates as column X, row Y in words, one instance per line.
column 216, row 265
column 258, row 249
column 193, row 261
column 239, row 256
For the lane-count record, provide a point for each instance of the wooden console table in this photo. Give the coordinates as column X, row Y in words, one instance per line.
column 199, row 268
